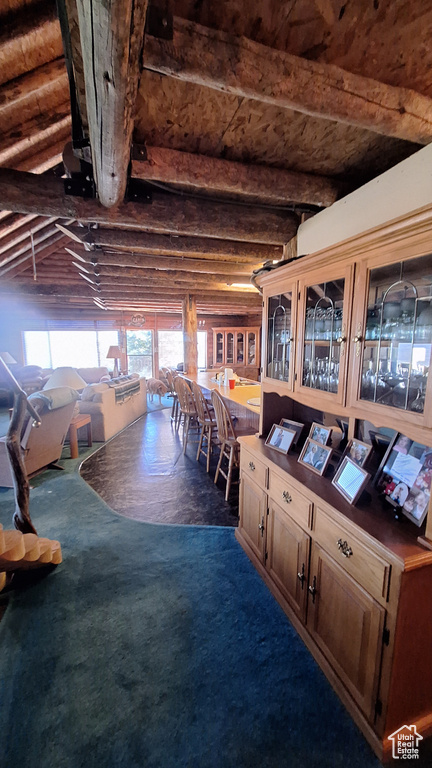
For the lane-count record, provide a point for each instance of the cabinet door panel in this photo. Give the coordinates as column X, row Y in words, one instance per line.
column 279, row 343
column 288, row 557
column 253, row 512
column 347, row 625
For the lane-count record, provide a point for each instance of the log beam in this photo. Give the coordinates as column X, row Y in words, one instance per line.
column 111, row 40
column 29, row 40
column 165, row 245
column 104, row 262
column 190, row 339
column 247, row 69
column 29, row 193
column 270, row 185
column 104, row 272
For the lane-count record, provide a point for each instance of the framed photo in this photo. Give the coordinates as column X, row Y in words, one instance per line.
column 416, row 505
column 404, row 478
column 358, row 451
column 350, row 479
column 320, row 433
column 295, row 425
column 315, row 456
column 280, row 438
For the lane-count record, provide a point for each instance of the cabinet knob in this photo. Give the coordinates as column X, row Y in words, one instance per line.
column 286, row 497
column 261, row 526
column 358, row 338
column 251, row 466
column 344, row 547
column 341, row 339
column 301, row 575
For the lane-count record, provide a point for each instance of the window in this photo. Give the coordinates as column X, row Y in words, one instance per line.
column 140, row 352
column 170, row 345
column 80, row 349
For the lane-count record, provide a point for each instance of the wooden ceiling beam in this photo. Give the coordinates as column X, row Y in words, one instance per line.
column 22, row 232
column 139, row 263
column 35, row 135
column 150, row 244
column 13, row 253
column 29, row 40
column 247, row 69
column 20, row 265
column 270, row 185
column 33, row 94
column 111, row 41
column 29, row 193
column 168, row 284
column 103, row 271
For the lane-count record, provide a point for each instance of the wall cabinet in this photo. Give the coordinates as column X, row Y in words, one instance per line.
column 237, row 348
column 355, row 587
column 351, row 327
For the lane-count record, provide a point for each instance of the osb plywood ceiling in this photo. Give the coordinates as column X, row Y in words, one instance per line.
column 151, row 150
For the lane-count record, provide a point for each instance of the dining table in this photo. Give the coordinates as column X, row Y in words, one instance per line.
column 244, row 401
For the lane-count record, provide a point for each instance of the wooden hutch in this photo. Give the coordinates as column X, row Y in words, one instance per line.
column 237, row 348
column 347, row 334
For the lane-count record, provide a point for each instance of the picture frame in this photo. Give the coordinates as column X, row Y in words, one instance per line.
column 350, row 479
column 404, row 477
column 315, row 456
column 294, row 425
column 416, row 506
column 280, row 438
column 358, row 451
column 319, row 433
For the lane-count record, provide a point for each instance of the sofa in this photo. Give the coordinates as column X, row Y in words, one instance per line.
column 114, row 404
column 41, row 445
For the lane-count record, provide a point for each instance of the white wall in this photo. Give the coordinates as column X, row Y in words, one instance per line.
column 402, row 189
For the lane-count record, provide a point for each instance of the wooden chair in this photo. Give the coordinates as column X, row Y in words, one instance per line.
column 230, row 447
column 206, row 420
column 175, row 411
column 187, row 407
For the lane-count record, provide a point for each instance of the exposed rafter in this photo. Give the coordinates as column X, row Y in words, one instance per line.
column 248, row 69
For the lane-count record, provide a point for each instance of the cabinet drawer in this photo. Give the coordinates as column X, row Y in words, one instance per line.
column 253, row 467
column 366, row 567
column 287, row 497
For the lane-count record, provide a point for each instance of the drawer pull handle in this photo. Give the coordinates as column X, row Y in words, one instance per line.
column 344, row 548
column 251, row 466
column 286, row 497
column 312, row 589
column 301, row 576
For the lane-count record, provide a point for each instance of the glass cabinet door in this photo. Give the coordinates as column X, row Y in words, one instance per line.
column 251, row 348
column 396, row 344
column 240, row 348
column 324, row 336
column 219, row 355
column 229, row 348
column 279, row 337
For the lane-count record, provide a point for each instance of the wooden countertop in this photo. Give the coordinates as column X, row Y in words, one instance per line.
column 239, row 395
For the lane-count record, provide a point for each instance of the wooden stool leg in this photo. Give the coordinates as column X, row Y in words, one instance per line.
column 222, row 448
column 200, row 441
column 229, row 474
column 185, row 432
column 73, row 440
column 209, row 439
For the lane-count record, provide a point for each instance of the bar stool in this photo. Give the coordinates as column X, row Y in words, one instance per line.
column 187, row 407
column 206, row 421
column 175, row 410
column 230, row 447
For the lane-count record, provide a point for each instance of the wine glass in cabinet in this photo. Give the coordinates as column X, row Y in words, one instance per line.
column 280, row 321
column 392, row 337
column 323, row 333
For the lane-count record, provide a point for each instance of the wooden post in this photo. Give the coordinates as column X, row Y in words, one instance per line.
column 190, row 343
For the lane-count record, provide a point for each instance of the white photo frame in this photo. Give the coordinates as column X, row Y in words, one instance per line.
column 350, row 479
column 280, row 438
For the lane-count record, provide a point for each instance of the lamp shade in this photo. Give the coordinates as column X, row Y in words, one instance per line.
column 65, row 377
column 7, row 358
column 114, row 351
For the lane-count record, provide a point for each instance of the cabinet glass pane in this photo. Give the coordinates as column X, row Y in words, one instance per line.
column 240, row 348
column 398, row 334
column 230, row 348
column 279, row 336
column 251, row 349
column 322, row 335
column 219, row 348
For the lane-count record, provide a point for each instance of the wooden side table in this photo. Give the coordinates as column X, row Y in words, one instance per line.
column 81, row 420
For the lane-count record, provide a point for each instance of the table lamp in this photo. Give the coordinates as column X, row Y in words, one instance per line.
column 114, row 352
column 65, row 377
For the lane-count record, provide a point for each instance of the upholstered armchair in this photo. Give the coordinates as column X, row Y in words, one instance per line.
column 42, row 445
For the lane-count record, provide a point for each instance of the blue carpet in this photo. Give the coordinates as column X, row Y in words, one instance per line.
column 159, row 647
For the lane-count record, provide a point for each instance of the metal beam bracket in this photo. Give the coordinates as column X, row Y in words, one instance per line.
column 159, row 23
column 80, row 186
column 138, row 191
